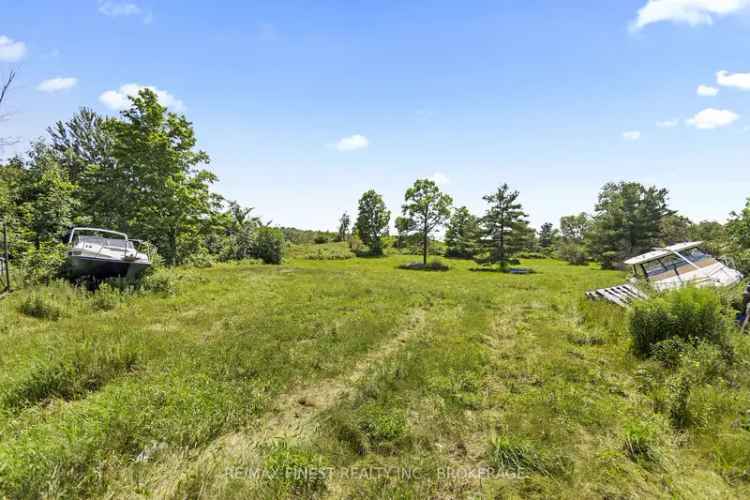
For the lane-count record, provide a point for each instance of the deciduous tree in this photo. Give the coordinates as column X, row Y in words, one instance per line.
column 462, row 234
column 428, row 207
column 372, row 221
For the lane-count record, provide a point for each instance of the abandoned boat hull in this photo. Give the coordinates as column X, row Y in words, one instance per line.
column 105, row 268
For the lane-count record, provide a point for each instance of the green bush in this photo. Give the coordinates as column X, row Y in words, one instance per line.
column 43, row 264
column 689, row 314
column 200, row 260
column 433, row 265
column 158, row 282
column 573, row 253
column 106, row 298
column 641, row 442
column 41, row 306
column 269, row 245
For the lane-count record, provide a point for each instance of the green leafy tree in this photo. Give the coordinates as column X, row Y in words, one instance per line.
column 548, row 237
column 462, row 234
column 675, row 228
column 574, row 232
column 428, row 207
column 167, row 194
column 738, row 235
column 372, row 221
column 405, row 228
column 343, row 231
column 269, row 245
column 46, row 202
column 504, row 226
column 627, row 221
column 83, row 146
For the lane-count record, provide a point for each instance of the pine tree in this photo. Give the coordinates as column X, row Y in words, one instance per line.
column 504, row 226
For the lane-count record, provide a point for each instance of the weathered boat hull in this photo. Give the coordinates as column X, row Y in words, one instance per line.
column 104, row 268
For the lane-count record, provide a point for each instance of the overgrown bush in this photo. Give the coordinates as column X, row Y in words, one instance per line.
column 201, row 260
column 573, row 253
column 642, row 442
column 269, row 245
column 158, row 282
column 433, row 265
column 43, row 264
column 689, row 314
column 106, row 297
column 41, row 306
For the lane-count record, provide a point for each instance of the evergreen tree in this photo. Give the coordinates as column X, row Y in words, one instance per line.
column 548, row 236
column 627, row 221
column 504, row 226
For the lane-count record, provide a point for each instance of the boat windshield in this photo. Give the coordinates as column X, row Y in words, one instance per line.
column 114, row 243
column 673, row 265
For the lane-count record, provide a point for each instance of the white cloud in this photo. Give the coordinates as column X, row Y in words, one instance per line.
column 706, row 91
column 711, row 118
column 116, row 9
column 118, row 99
column 352, row 143
column 440, row 179
column 57, row 84
column 631, row 135
column 11, row 50
column 737, row 80
column 668, row 123
column 691, row 12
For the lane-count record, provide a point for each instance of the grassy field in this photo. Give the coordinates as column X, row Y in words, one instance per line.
column 353, row 378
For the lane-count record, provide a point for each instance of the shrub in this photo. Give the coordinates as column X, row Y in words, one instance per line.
column 269, row 245
column 433, row 265
column 573, row 253
column 689, row 314
column 641, row 442
column 158, row 282
column 200, row 260
column 38, row 305
column 43, row 264
column 106, row 298
column 319, row 240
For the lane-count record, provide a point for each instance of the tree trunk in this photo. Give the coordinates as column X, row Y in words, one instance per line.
column 424, row 245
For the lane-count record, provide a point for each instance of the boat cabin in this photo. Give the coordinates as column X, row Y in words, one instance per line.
column 676, row 265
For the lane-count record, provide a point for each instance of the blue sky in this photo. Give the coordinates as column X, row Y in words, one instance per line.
column 304, row 105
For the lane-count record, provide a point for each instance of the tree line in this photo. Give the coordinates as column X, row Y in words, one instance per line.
column 628, row 219
column 139, row 173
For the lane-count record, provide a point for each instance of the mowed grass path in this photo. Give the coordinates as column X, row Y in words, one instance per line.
column 424, row 379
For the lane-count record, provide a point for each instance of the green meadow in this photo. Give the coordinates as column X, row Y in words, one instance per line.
column 352, row 378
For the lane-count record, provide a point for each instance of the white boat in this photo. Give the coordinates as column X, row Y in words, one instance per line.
column 677, row 265
column 668, row 268
column 102, row 253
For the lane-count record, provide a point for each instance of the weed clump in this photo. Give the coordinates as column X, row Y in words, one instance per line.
column 688, row 314
column 517, row 455
column 40, row 306
column 296, row 469
column 641, row 443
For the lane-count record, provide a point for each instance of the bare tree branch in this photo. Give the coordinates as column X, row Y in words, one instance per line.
column 6, row 86
column 6, row 141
